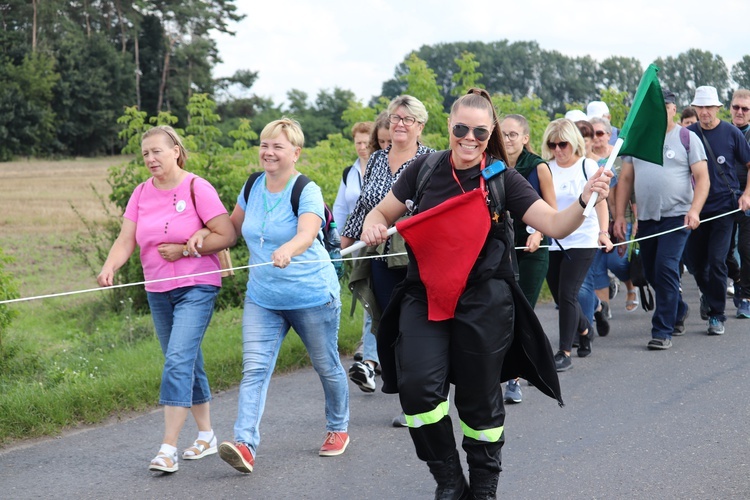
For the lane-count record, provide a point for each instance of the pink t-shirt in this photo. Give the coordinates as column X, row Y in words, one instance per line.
column 168, row 216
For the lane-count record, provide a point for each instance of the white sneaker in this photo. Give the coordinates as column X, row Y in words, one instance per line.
column 362, row 375
column 730, row 288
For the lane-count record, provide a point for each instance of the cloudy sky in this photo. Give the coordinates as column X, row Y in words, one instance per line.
column 321, row 44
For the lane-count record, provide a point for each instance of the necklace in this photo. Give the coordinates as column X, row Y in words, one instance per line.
column 267, row 210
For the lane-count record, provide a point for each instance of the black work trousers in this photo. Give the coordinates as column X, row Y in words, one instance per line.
column 468, row 351
column 739, row 272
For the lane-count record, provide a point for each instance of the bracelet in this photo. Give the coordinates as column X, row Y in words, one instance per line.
column 581, row 202
column 606, row 233
column 185, row 252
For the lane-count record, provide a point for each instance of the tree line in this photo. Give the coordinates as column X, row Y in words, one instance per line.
column 69, row 69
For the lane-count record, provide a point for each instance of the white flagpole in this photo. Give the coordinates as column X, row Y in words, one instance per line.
column 610, row 162
column 361, row 244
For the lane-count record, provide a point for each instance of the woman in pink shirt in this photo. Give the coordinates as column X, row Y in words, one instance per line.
column 179, row 223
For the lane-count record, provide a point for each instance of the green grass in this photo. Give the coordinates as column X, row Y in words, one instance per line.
column 66, row 364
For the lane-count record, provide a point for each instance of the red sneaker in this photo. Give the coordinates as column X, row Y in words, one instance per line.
column 237, row 455
column 335, row 444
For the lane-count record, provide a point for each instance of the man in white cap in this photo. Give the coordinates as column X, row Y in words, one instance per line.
column 599, row 109
column 666, row 203
column 740, row 272
column 708, row 245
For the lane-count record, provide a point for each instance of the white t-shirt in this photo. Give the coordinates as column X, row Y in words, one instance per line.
column 569, row 183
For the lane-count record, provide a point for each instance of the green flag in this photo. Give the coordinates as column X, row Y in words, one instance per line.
column 646, row 125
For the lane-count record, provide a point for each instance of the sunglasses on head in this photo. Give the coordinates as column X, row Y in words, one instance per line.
column 553, row 145
column 737, row 107
column 600, row 133
column 480, row 133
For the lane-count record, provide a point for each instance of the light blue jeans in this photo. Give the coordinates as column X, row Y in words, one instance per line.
column 263, row 331
column 181, row 317
column 369, row 341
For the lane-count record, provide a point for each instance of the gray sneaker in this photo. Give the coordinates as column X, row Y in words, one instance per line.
column 715, row 326
column 513, row 392
column 659, row 344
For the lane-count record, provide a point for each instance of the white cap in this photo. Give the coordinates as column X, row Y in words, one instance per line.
column 706, row 96
column 597, row 109
column 576, row 115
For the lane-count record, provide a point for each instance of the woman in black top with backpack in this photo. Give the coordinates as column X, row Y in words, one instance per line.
column 492, row 324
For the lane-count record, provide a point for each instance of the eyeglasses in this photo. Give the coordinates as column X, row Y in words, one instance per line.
column 553, row 145
column 737, row 107
column 408, row 120
column 511, row 136
column 599, row 133
column 480, row 133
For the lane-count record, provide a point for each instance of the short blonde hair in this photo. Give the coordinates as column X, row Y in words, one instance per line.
column 413, row 105
column 287, row 126
column 563, row 129
column 173, row 137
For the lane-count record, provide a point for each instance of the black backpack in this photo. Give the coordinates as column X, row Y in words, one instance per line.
column 324, row 234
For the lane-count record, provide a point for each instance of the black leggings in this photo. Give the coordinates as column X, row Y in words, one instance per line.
column 564, row 278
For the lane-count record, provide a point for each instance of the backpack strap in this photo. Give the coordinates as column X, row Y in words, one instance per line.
column 432, row 160
column 249, row 184
column 496, row 186
column 345, row 174
column 685, row 140
column 299, row 185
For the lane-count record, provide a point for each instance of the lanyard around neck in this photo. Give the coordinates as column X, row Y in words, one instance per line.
column 481, row 167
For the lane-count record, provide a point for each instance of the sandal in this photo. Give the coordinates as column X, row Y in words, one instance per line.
column 164, row 463
column 631, row 305
column 200, row 449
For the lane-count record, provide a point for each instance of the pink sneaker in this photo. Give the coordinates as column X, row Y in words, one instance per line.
column 335, row 444
column 237, row 455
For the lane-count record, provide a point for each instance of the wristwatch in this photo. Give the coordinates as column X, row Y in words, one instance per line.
column 185, row 252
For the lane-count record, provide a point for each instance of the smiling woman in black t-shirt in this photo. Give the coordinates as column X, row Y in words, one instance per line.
column 420, row 357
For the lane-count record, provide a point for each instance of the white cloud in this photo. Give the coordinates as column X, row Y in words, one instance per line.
column 310, row 46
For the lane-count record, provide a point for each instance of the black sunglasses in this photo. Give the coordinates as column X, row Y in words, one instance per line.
column 480, row 133
column 561, row 144
column 737, row 107
column 600, row 133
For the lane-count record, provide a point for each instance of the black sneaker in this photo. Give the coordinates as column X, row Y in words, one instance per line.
column 659, row 344
column 679, row 325
column 584, row 348
column 602, row 320
column 704, row 309
column 562, row 362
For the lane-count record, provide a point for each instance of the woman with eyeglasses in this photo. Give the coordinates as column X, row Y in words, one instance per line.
column 422, row 357
column 407, row 117
column 571, row 257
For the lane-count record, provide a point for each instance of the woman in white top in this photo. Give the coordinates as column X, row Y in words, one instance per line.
column 570, row 258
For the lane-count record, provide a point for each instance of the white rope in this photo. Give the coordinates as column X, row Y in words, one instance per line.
column 123, row 285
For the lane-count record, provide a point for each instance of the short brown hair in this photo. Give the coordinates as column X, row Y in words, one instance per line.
column 362, row 128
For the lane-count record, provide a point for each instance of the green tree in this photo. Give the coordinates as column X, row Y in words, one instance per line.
column 691, row 69
column 618, row 104
column 26, row 114
column 467, row 76
column 620, row 73
column 421, row 83
column 741, row 72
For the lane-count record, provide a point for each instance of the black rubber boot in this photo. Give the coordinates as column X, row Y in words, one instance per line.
column 451, row 483
column 483, row 484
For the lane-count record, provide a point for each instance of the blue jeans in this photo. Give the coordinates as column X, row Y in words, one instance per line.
column 708, row 246
column 661, row 265
column 369, row 341
column 263, row 331
column 181, row 317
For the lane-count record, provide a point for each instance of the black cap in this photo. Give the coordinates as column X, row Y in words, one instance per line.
column 669, row 97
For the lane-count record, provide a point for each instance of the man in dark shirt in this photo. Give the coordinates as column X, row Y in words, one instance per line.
column 708, row 245
column 740, row 272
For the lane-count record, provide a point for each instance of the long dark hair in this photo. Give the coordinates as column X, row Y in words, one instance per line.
column 480, row 99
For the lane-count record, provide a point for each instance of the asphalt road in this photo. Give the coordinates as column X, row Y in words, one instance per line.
column 637, row 424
